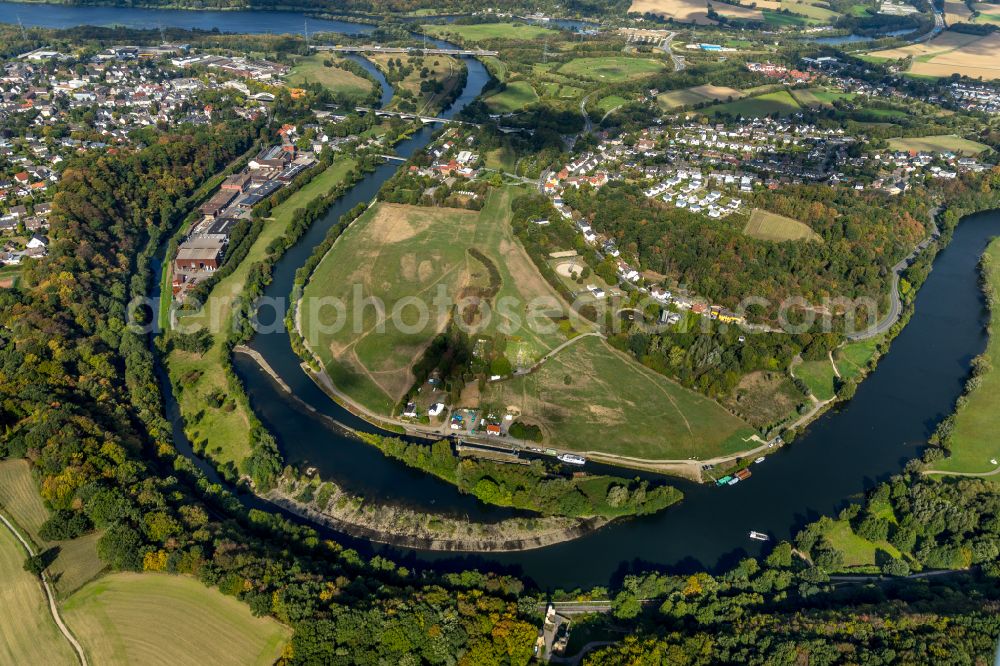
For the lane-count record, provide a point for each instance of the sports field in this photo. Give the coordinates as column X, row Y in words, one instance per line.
column 516, row 96
column 697, row 95
column 974, row 442
column 939, row 144
column 407, row 254
column 612, row 69
column 779, row 102
column 130, row 618
column 28, row 634
column 20, row 501
column 684, row 11
column 199, row 379
column 312, row 70
column 774, row 227
column 482, row 32
column 589, row 388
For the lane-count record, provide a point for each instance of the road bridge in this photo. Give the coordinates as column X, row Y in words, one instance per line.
column 375, row 48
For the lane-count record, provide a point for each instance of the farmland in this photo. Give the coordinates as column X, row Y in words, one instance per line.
column 774, row 227
column 313, row 70
column 684, row 11
column 28, row 635
column 222, row 425
column 397, row 253
column 973, row 440
column 697, row 95
column 612, row 69
column 939, row 144
column 778, row 102
column 514, row 97
column 951, row 53
column 590, row 388
column 487, row 31
column 149, row 618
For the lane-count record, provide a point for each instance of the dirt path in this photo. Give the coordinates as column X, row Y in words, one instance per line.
column 973, row 474
column 836, row 372
column 50, row 596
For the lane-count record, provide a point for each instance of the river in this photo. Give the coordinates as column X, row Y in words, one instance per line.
column 845, row 452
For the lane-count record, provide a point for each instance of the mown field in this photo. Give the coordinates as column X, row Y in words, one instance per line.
column 779, row 102
column 590, row 397
column 516, row 96
column 819, row 377
column 852, row 359
column 773, row 227
column 312, row 70
column 400, row 253
column 950, row 53
column 612, row 69
column 974, row 440
column 77, row 561
column 28, row 634
column 939, row 144
column 198, row 377
column 148, row 619
column 697, row 95
column 482, row 32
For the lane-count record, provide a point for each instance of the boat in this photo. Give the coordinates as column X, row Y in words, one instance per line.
column 759, row 536
column 743, row 474
column 759, row 460
column 733, row 481
column 571, row 458
column 724, row 480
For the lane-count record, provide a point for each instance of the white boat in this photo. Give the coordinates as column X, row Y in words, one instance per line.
column 571, row 458
column 759, row 460
column 759, row 536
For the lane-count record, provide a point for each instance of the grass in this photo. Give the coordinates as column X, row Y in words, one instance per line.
column 444, row 69
column 28, row 635
column 818, row 376
column 482, row 32
column 516, row 96
column 858, row 552
column 781, row 20
column 396, row 252
column 819, row 96
column 224, row 430
column 939, row 144
column 590, row 388
column 77, row 561
column 974, row 441
column 778, row 102
column 610, row 103
column 852, row 359
column 129, row 618
column 774, row 227
column 312, row 70
column 9, row 276
column 612, row 69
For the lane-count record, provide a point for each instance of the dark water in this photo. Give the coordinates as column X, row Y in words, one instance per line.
column 844, row 453
column 847, row 39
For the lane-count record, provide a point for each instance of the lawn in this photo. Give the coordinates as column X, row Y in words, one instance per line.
column 130, row 618
column 774, row 227
column 858, row 552
column 224, row 429
column 516, row 96
column 974, row 441
column 610, row 103
column 312, row 70
column 779, row 102
column 28, row 635
column 612, row 69
column 939, row 144
column 818, row 376
column 77, row 561
column 482, row 32
column 590, row 397
column 397, row 253
column 852, row 359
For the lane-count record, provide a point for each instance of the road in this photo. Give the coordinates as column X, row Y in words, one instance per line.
column 588, row 126
column 679, row 63
column 50, row 596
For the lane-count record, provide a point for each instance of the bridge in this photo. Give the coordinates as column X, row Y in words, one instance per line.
column 375, row 48
column 412, row 116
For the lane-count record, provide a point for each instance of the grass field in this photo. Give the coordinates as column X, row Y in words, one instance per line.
column 77, row 561
column 312, row 70
column 974, row 441
column 782, row 20
column 9, row 275
column 939, row 144
column 28, row 634
column 395, row 253
column 445, row 69
column 779, row 102
column 858, row 552
column 200, row 376
column 148, row 619
column 516, row 96
column 589, row 388
column 774, row 227
column 818, row 376
column 610, row 103
column 852, row 359
column 486, row 31
column 764, row 398
column 612, row 69
column 697, row 95
column 819, row 96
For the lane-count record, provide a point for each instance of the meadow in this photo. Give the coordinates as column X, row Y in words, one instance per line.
column 778, row 102
column 612, row 69
column 819, row 377
column 939, row 144
column 773, row 227
column 974, row 441
column 129, row 618
column 516, row 96
column 312, row 70
column 397, row 252
column 444, row 69
column 591, row 388
column 483, row 32
column 697, row 95
column 853, row 358
column 199, row 378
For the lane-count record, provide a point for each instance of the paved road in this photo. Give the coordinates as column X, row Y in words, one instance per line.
column 49, row 595
column 588, row 126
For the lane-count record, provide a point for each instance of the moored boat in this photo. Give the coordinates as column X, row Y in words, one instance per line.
column 759, row 536
column 571, row 458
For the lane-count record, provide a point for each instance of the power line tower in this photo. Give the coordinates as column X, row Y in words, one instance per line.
column 24, row 33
